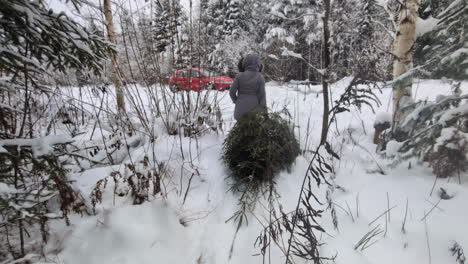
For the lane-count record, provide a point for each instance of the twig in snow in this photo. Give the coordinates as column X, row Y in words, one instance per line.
column 404, row 220
column 340, row 207
column 427, row 240
column 433, row 186
column 384, row 213
column 350, row 212
column 426, row 215
column 357, row 205
column 440, row 209
column 386, row 224
column 458, row 251
column 188, row 187
column 388, row 207
column 331, row 206
column 368, row 239
column 363, row 127
column 387, row 216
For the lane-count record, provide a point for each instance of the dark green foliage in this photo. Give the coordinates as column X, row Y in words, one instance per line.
column 443, row 49
column 437, row 132
column 168, row 18
column 447, row 162
column 29, row 183
column 259, row 146
column 34, row 37
column 235, row 21
column 34, row 42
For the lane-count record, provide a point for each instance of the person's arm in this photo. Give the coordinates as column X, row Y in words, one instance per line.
column 233, row 89
column 261, row 92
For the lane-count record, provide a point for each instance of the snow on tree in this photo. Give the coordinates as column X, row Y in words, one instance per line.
column 368, row 47
column 162, row 27
column 441, row 49
column 330, row 40
column 168, row 17
column 355, row 34
column 442, row 45
column 235, row 19
column 185, row 53
column 438, row 133
column 435, row 132
column 215, row 20
column 292, row 25
column 36, row 41
column 201, row 32
column 229, row 33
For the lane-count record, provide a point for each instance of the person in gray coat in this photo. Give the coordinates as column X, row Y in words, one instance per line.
column 248, row 89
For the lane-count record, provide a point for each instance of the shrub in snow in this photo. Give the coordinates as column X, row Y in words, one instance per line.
column 33, row 185
column 449, row 154
column 260, row 145
column 382, row 122
column 457, row 251
column 139, row 182
column 191, row 115
column 438, row 133
column 207, row 118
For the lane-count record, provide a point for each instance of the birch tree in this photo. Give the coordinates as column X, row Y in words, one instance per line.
column 403, row 56
column 115, row 71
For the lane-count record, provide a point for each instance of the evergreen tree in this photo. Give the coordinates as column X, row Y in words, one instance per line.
column 437, row 132
column 444, row 48
column 236, row 18
column 229, row 26
column 168, row 17
column 148, row 54
column 215, row 19
column 35, row 40
column 162, row 25
column 364, row 55
column 202, row 33
column 297, row 26
column 186, row 55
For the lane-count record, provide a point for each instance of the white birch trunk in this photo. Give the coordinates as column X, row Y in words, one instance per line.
column 115, row 71
column 403, row 60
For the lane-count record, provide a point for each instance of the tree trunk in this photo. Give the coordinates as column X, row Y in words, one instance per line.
column 326, row 64
column 115, row 71
column 403, row 60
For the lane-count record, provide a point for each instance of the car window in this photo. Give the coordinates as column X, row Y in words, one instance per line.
column 195, row 74
column 209, row 73
column 183, row 74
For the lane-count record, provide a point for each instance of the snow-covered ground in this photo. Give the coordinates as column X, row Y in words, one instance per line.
column 195, row 231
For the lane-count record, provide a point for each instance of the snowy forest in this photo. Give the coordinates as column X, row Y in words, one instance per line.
column 233, row 131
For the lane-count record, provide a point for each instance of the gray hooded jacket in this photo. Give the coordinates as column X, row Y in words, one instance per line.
column 248, row 89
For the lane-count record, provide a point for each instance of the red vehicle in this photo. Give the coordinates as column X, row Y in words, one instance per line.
column 198, row 79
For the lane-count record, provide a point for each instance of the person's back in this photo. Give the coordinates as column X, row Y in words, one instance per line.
column 248, row 89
